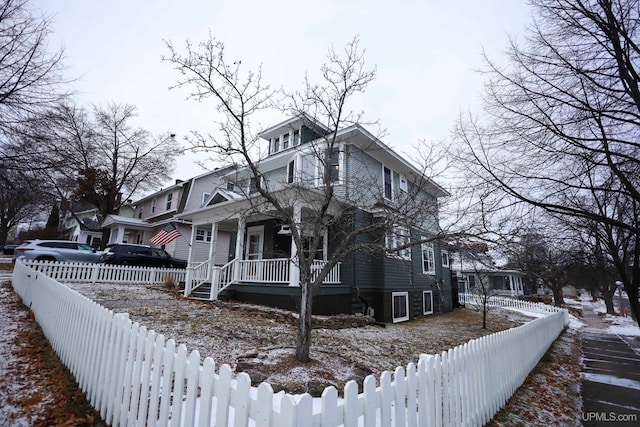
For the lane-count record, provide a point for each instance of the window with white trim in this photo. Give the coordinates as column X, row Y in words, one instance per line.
column 400, row 307
column 169, row 201
column 285, row 141
column 153, row 205
column 445, row 259
column 404, row 185
column 139, row 211
column 399, row 237
column 205, row 197
column 428, row 259
column 291, row 169
column 427, row 302
column 275, row 145
column 296, row 137
column 331, row 165
column 203, row 235
column 387, row 186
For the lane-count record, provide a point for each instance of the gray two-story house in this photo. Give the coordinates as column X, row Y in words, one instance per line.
column 407, row 277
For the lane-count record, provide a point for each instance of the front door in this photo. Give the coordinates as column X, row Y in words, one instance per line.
column 253, row 251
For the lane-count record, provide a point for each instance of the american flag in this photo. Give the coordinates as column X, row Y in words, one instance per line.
column 166, row 235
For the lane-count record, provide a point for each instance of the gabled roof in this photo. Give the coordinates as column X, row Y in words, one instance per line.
column 222, row 195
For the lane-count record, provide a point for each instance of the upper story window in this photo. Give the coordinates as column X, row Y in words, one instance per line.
column 445, row 259
column 284, row 141
column 230, row 186
column 291, row 171
column 398, row 238
column 253, row 186
column 387, row 186
column 404, row 185
column 428, row 259
column 169, row 201
column 139, row 211
column 154, row 202
column 205, row 197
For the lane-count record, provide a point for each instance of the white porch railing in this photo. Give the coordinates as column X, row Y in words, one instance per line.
column 264, row 270
column 267, row 271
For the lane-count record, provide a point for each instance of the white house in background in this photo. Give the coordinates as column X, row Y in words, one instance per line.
column 84, row 226
column 156, row 212
column 474, row 268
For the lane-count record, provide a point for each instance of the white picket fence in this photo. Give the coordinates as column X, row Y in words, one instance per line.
column 505, row 302
column 80, row 272
column 135, row 377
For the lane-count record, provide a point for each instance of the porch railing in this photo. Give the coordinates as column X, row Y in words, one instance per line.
column 267, row 271
column 197, row 274
column 274, row 270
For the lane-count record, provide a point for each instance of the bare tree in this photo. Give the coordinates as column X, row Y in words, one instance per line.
column 563, row 119
column 317, row 200
column 99, row 156
column 19, row 199
column 30, row 74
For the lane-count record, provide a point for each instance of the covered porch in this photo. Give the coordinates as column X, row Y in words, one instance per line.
column 261, row 253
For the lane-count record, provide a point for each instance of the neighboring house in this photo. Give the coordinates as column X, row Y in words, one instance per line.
column 82, row 226
column 410, row 283
column 474, row 267
column 156, row 212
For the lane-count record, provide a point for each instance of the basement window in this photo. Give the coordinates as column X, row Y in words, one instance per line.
column 427, row 302
column 400, row 306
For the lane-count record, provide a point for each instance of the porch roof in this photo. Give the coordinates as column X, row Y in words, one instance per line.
column 126, row 221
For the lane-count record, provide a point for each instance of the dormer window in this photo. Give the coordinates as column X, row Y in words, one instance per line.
column 284, row 141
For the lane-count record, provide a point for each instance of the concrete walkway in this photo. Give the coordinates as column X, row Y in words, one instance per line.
column 611, row 375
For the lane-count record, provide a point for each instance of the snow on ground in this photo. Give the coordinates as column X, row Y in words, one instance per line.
column 228, row 332
column 550, row 393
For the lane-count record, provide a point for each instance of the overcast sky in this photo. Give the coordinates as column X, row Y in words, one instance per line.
column 426, row 53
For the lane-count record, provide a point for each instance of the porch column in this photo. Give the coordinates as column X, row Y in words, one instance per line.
column 294, row 267
column 242, row 224
column 212, row 249
column 118, row 236
column 192, row 241
column 512, row 286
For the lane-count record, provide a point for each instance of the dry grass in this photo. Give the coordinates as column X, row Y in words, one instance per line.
column 227, row 335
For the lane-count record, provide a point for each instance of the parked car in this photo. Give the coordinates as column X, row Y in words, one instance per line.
column 56, row 250
column 7, row 249
column 128, row 254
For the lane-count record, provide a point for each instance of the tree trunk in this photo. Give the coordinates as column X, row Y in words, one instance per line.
column 558, row 295
column 607, row 294
column 632, row 293
column 304, row 323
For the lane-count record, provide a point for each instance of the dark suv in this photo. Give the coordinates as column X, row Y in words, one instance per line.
column 126, row 254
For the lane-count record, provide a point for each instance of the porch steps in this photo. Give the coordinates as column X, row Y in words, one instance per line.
column 203, row 292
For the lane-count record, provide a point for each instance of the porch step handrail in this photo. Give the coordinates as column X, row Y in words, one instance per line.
column 222, row 278
column 197, row 274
